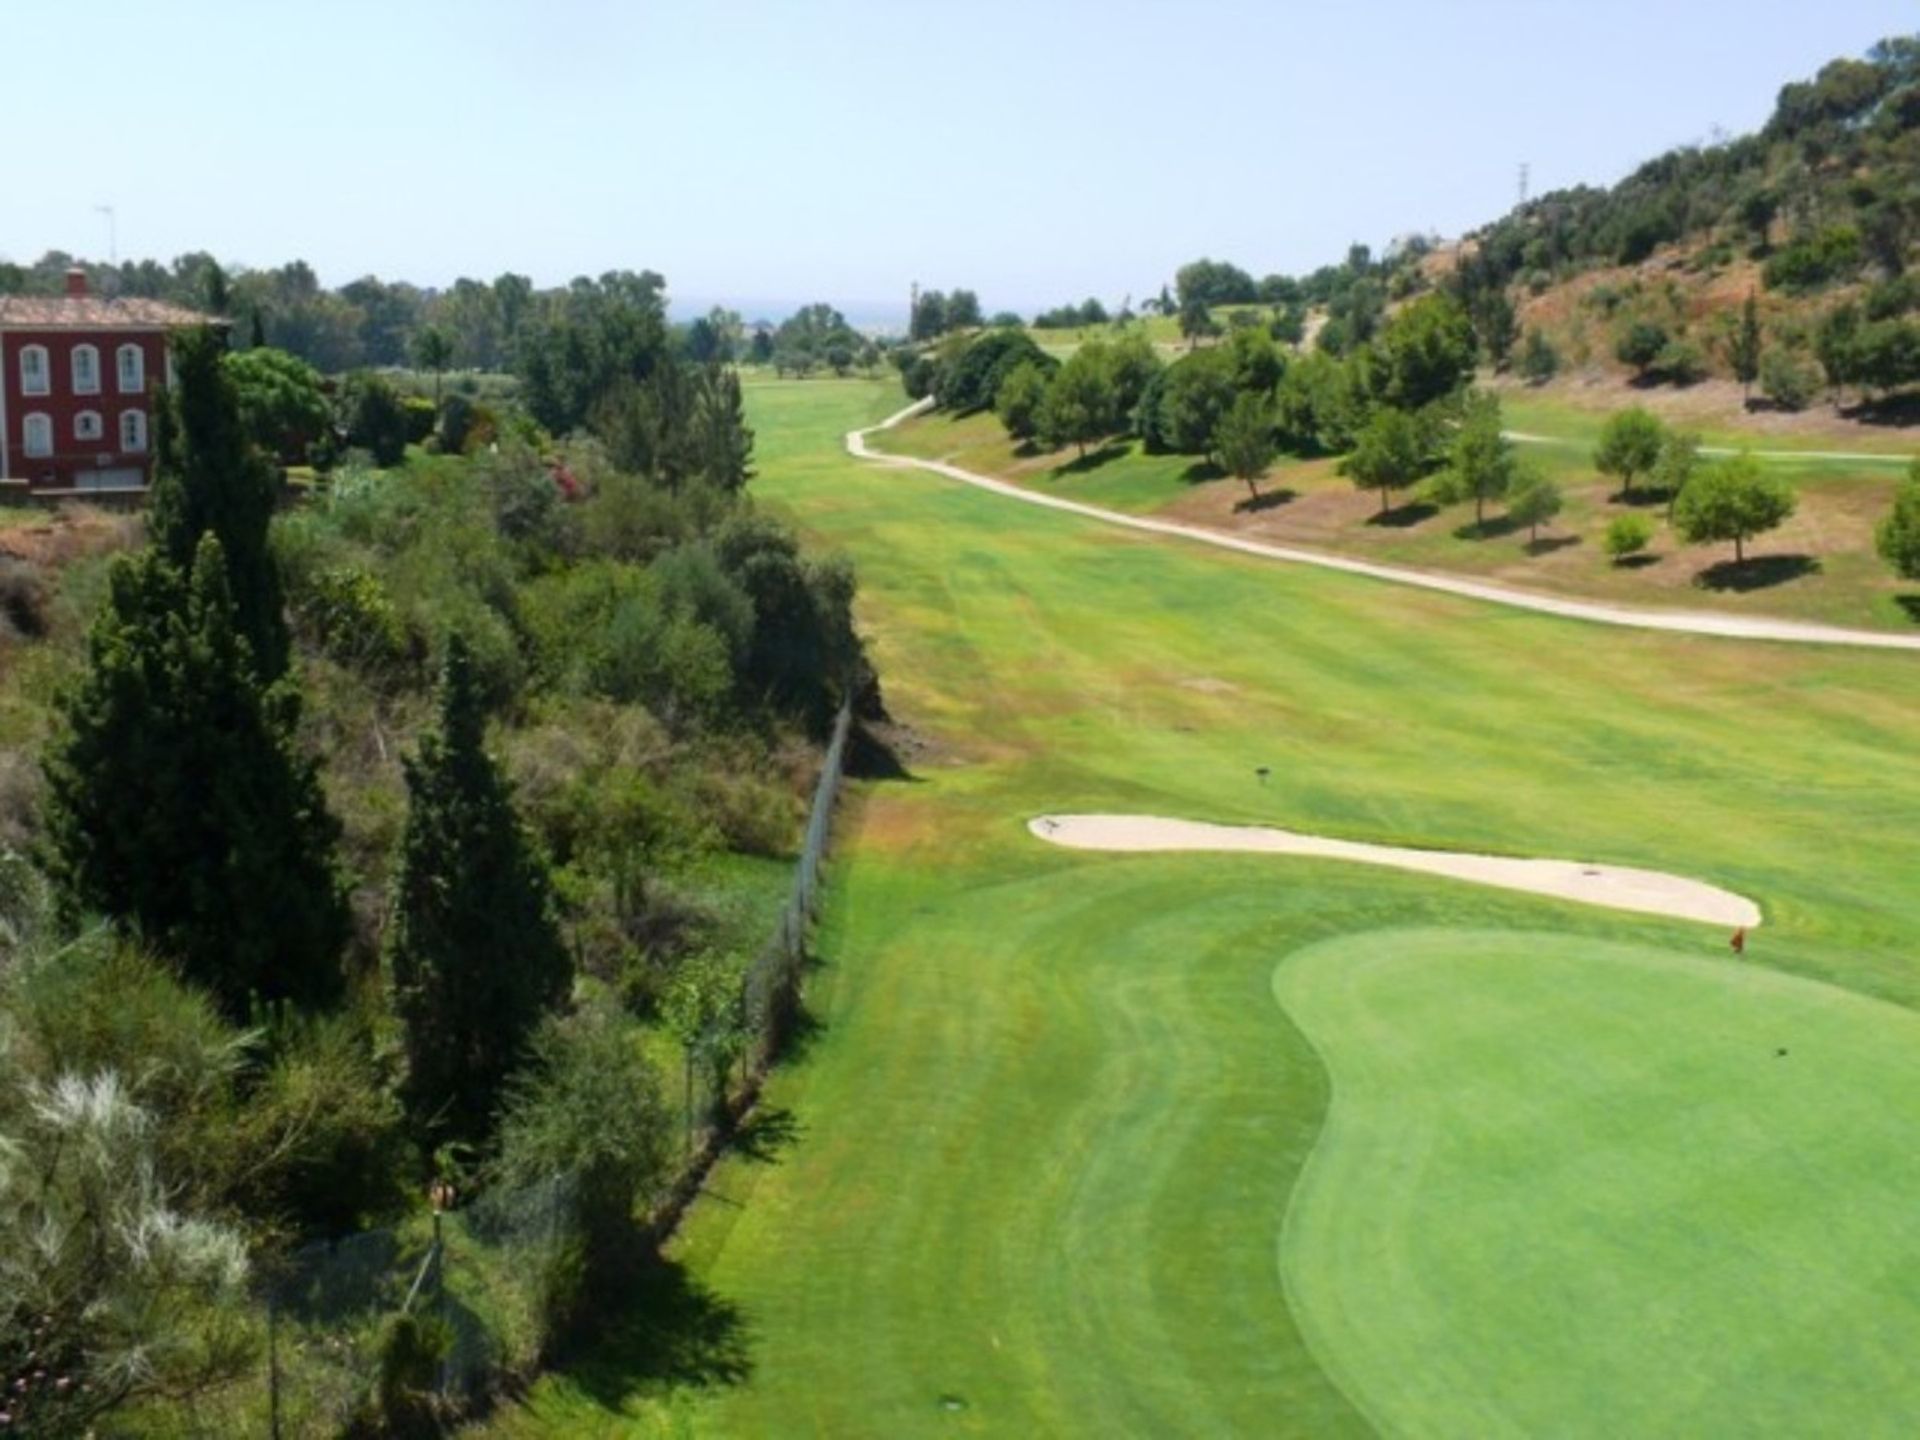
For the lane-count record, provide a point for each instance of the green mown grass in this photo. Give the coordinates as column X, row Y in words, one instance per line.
column 1823, row 564
column 1573, row 1187
column 1046, row 1139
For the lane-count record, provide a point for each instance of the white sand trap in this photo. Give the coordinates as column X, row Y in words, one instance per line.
column 1615, row 886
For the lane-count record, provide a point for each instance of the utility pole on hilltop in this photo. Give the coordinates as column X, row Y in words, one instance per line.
column 1523, row 182
column 913, row 306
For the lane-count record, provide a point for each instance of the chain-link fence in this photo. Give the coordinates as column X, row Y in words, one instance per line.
column 432, row 1313
column 723, row 1069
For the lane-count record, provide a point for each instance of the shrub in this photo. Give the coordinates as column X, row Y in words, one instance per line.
column 420, row 417
column 24, row 599
column 458, row 417
column 1892, row 298
column 409, row 1351
column 347, row 613
column 1640, row 344
column 372, row 417
column 1628, row 535
column 1897, row 537
column 1539, row 361
column 1680, row 362
column 589, row 1106
column 1809, row 264
column 105, row 1274
column 1788, row 379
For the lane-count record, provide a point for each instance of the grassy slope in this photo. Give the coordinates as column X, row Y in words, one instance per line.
column 1840, row 503
column 1048, row 1133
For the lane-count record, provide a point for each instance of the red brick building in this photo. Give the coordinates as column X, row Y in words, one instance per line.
column 79, row 377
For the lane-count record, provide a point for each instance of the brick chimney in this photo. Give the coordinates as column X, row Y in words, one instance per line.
column 76, row 283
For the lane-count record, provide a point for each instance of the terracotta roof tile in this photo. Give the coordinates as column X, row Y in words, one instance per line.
column 92, row 312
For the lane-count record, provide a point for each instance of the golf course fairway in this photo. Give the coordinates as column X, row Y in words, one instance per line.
column 1097, row 1144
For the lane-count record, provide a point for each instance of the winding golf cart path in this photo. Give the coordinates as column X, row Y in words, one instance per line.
column 1691, row 622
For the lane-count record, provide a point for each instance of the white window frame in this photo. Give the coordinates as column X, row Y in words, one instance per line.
column 37, row 423
column 89, row 426
column 27, row 372
column 134, row 441
column 89, row 384
column 138, row 355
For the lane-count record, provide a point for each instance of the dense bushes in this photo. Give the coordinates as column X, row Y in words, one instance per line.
column 649, row 653
column 973, row 375
column 1832, row 254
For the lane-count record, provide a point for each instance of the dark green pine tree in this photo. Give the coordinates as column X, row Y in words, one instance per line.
column 475, row 958
column 211, row 478
column 178, row 804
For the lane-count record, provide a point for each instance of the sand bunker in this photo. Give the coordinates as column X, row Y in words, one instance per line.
column 1617, row 887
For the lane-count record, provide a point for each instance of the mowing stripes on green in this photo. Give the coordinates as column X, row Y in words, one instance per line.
column 1578, row 1187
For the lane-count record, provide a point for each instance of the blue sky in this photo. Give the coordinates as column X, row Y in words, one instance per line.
column 770, row 152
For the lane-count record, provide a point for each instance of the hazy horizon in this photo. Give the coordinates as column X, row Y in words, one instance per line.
column 769, row 156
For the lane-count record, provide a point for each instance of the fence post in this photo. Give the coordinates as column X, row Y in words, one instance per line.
column 440, row 1297
column 273, row 1367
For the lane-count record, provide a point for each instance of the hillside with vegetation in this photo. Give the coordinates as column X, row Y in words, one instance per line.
column 389, row 848
column 1687, row 389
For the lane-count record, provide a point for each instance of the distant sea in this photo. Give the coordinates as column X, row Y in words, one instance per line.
column 874, row 317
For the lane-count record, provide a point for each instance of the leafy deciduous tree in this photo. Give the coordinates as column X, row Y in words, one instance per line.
column 1897, row 537
column 1480, row 463
column 1244, row 439
column 1733, row 499
column 1533, row 499
column 1629, row 446
column 1387, row 455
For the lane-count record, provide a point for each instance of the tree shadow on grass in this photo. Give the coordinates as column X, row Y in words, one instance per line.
column 766, row 1134
column 1897, row 411
column 1635, row 562
column 872, row 754
column 1910, row 604
column 1492, row 528
column 1547, row 544
column 1644, row 497
column 1757, row 572
column 1093, row 459
column 671, row 1332
column 801, row 1029
column 1404, row 517
column 1266, row 500
column 1202, row 471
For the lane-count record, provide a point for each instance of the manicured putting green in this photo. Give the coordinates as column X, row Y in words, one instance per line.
column 1576, row 1187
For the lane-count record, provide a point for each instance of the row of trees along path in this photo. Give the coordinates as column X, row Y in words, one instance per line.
column 1691, row 622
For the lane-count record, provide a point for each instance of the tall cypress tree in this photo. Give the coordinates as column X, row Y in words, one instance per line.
column 475, row 958
column 178, row 804
column 212, row 478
